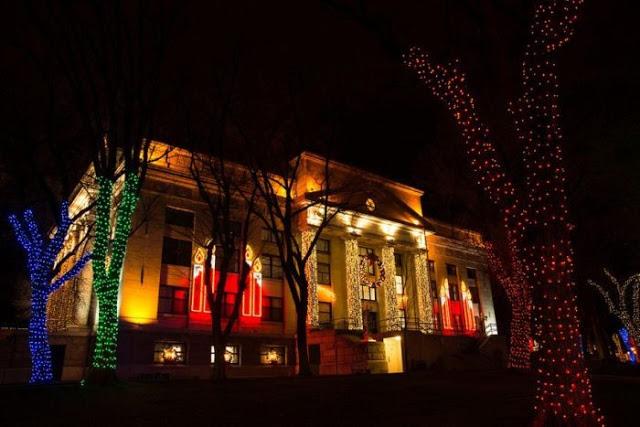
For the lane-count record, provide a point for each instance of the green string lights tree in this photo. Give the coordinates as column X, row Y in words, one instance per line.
column 111, row 57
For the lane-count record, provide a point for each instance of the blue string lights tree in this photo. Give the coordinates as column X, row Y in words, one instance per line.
column 41, row 264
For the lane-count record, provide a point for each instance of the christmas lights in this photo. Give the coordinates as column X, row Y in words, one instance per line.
column 421, row 280
column 107, row 263
column 534, row 215
column 41, row 260
column 630, row 318
column 518, row 292
column 392, row 314
column 352, row 272
column 311, row 272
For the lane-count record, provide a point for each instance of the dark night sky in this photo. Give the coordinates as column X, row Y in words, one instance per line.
column 346, row 81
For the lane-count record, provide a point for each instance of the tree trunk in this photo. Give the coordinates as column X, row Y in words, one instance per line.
column 41, row 366
column 519, row 351
column 304, row 367
column 103, row 366
column 219, row 369
column 563, row 394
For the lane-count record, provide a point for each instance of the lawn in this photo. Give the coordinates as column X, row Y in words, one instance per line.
column 438, row 399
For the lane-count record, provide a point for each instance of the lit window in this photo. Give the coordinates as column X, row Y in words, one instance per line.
column 324, row 273
column 169, row 353
column 324, row 313
column 367, row 253
column 231, row 354
column 272, row 355
column 178, row 217
column 367, row 293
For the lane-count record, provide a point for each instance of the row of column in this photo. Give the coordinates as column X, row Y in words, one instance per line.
column 420, row 281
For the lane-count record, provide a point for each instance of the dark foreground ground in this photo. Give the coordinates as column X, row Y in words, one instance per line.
column 425, row 399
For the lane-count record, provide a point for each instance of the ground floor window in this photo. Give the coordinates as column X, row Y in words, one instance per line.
column 169, row 353
column 272, row 355
column 231, row 354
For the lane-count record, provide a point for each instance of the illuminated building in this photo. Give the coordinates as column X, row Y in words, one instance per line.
column 389, row 285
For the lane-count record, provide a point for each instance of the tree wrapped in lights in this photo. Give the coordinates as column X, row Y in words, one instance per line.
column 42, row 265
column 511, row 277
column 534, row 214
column 618, row 305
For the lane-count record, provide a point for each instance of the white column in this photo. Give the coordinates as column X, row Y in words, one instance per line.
column 354, row 303
column 311, row 273
column 421, row 280
column 392, row 318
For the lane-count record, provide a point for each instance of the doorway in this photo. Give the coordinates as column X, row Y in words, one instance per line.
column 393, row 354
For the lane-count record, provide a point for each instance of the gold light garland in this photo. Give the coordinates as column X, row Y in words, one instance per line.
column 352, row 270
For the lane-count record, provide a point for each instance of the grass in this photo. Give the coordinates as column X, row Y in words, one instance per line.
column 438, row 399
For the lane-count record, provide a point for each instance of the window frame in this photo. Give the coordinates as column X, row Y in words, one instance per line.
column 268, row 310
column 183, row 352
column 172, row 299
column 267, row 267
column 265, row 350
column 178, row 212
column 237, row 353
column 330, row 312
column 179, row 251
column 324, row 274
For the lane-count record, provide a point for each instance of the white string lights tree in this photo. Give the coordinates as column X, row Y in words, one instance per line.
column 618, row 305
column 534, row 214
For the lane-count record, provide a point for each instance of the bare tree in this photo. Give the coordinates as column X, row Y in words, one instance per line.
column 230, row 199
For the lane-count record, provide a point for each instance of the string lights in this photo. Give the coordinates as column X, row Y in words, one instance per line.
column 311, row 272
column 535, row 216
column 518, row 292
column 390, row 293
column 630, row 318
column 41, row 261
column 108, row 257
column 352, row 273
column 423, row 293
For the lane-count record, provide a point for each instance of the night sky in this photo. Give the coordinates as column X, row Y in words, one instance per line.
column 358, row 102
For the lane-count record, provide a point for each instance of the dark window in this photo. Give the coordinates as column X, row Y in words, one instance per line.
column 269, row 236
column 372, row 321
column 231, row 354
column 451, row 270
column 475, row 296
column 399, row 264
column 432, row 279
column 169, row 353
column 403, row 318
column 471, row 273
column 323, row 246
column 454, row 292
column 233, row 266
column 176, row 252
column 367, row 293
column 173, row 300
column 272, row 354
column 228, row 301
column 324, row 313
column 179, row 217
column 324, row 273
column 271, row 267
column 272, row 309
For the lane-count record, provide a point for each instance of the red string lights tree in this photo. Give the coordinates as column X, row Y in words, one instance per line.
column 534, row 214
column 510, row 275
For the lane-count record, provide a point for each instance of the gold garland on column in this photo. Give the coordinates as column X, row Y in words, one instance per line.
column 425, row 311
column 352, row 268
column 390, row 295
column 311, row 271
